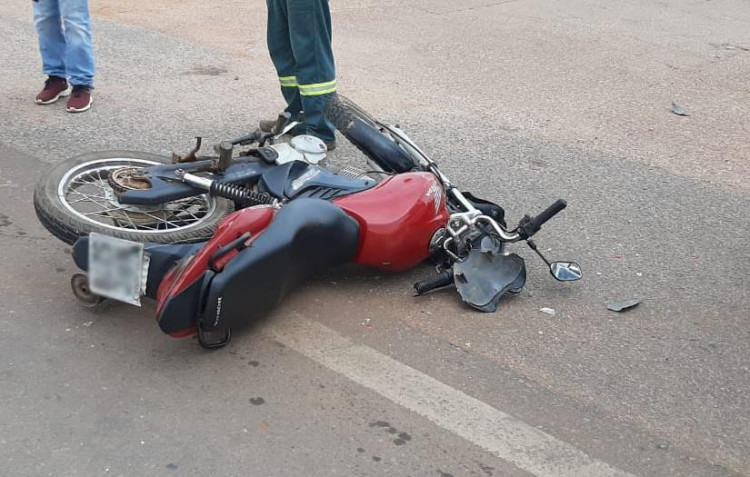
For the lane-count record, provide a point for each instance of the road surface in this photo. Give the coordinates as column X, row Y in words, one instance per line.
column 521, row 102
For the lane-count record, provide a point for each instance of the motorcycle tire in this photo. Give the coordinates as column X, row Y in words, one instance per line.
column 350, row 119
column 61, row 219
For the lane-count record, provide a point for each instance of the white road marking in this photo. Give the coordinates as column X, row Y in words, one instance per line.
column 508, row 438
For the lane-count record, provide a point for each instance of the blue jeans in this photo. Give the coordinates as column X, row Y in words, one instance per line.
column 64, row 30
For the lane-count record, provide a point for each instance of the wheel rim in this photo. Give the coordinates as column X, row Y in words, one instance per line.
column 85, row 192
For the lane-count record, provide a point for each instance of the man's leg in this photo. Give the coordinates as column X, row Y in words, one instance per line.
column 51, row 40
column 310, row 27
column 280, row 48
column 79, row 54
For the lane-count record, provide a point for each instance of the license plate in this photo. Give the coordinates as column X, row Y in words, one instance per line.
column 118, row 269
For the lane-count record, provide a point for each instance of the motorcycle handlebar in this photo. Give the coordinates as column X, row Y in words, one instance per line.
column 548, row 213
column 441, row 280
column 531, row 225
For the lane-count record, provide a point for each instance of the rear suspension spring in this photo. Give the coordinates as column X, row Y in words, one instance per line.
column 240, row 194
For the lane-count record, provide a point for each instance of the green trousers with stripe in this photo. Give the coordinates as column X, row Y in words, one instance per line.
column 299, row 40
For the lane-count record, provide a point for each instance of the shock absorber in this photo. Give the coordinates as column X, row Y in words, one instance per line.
column 241, row 195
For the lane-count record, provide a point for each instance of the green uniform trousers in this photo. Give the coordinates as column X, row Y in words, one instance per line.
column 299, row 41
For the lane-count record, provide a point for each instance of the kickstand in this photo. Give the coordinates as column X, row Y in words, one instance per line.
column 208, row 344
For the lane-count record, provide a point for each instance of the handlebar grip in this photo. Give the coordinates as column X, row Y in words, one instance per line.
column 548, row 213
column 441, row 280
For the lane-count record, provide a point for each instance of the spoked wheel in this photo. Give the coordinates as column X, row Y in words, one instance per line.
column 365, row 132
column 353, row 109
column 80, row 196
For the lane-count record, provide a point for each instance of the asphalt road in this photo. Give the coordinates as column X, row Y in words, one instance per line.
column 522, row 103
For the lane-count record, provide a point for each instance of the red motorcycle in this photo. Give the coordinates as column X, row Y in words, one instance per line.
column 219, row 241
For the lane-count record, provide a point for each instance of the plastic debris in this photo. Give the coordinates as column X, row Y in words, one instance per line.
column 548, row 311
column 620, row 306
column 662, row 444
column 679, row 110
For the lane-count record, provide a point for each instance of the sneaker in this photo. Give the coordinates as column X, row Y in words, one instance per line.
column 80, row 99
column 54, row 89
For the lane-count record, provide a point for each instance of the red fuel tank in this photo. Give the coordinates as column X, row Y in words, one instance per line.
column 397, row 219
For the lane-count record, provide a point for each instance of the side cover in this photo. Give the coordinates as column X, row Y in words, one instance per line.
column 299, row 179
column 306, row 236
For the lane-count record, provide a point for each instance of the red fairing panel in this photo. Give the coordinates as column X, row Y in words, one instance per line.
column 253, row 220
column 397, row 219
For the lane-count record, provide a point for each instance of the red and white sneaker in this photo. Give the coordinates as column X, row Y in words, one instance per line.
column 80, row 99
column 54, row 89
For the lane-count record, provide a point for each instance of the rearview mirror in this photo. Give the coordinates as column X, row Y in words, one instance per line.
column 566, row 271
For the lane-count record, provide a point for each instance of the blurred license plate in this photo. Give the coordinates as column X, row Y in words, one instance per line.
column 118, row 269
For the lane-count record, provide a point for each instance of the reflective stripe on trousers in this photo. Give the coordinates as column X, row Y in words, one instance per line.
column 318, row 89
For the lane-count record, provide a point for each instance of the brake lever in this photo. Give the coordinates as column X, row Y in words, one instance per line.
column 245, row 140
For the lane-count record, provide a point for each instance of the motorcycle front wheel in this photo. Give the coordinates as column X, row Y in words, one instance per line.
column 365, row 132
column 79, row 196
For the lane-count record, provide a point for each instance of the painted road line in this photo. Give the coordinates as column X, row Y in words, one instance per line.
column 508, row 438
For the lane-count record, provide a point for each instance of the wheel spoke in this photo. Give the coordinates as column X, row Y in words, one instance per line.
column 95, row 183
column 89, row 198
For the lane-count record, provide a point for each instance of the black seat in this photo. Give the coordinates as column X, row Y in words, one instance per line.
column 306, row 236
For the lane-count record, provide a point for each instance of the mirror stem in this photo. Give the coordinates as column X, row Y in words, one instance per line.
column 532, row 246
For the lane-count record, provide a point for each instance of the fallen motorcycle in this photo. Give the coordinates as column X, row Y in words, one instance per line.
column 219, row 240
